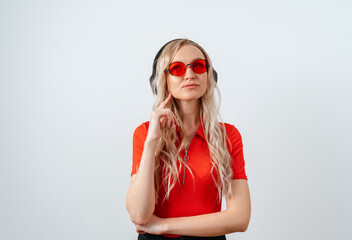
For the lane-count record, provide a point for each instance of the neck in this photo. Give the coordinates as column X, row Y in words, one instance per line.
column 190, row 113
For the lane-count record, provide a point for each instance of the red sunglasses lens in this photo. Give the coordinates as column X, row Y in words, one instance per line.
column 177, row 69
column 198, row 66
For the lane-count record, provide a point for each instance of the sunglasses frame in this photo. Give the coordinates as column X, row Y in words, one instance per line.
column 190, row 64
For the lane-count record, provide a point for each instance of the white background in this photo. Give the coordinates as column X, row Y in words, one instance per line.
column 74, row 84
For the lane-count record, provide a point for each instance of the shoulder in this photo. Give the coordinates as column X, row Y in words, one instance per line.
column 234, row 139
column 141, row 130
column 142, row 127
column 232, row 131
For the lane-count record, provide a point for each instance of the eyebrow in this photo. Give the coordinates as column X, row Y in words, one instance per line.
column 191, row 61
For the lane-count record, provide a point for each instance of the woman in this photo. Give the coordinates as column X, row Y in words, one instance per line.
column 184, row 159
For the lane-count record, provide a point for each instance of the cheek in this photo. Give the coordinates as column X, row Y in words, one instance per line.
column 172, row 84
column 168, row 84
column 205, row 83
column 205, row 89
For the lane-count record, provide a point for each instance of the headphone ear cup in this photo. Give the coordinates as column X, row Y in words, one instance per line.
column 215, row 74
column 152, row 77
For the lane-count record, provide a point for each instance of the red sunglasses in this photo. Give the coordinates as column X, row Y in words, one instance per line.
column 179, row 68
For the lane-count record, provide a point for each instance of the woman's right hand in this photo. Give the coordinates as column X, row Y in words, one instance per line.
column 159, row 119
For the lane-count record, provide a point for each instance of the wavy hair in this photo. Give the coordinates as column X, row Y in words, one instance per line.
column 214, row 131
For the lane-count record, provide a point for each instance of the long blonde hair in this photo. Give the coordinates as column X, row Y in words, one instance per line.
column 214, row 131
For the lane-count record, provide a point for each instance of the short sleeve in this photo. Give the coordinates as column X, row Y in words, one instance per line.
column 236, row 151
column 139, row 136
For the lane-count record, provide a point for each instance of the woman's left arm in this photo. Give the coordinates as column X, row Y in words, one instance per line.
column 235, row 218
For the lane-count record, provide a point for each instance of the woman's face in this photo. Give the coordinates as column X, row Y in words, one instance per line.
column 178, row 84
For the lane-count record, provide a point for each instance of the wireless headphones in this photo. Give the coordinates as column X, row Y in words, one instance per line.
column 152, row 77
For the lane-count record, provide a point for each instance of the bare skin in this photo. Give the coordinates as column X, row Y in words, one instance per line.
column 159, row 118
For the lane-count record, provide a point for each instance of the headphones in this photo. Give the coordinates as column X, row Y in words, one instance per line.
column 152, row 77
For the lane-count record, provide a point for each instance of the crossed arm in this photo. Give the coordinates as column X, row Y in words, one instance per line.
column 235, row 218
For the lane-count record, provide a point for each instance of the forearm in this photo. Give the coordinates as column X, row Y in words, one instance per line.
column 212, row 224
column 140, row 200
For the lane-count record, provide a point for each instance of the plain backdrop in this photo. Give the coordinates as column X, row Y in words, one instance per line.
column 74, row 85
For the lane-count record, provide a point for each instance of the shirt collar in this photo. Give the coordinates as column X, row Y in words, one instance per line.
column 199, row 132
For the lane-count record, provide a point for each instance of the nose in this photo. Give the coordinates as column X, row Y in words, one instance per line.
column 189, row 72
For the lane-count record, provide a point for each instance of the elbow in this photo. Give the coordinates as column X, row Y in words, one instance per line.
column 140, row 220
column 239, row 227
column 244, row 219
column 240, row 223
column 138, row 217
column 244, row 225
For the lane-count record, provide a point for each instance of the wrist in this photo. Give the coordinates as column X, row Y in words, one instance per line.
column 150, row 142
column 166, row 226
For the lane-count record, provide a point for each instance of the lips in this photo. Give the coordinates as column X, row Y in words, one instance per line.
column 191, row 85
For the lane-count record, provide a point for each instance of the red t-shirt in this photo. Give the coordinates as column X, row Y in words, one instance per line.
column 198, row 197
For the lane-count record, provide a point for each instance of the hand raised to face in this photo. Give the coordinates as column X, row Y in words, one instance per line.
column 160, row 118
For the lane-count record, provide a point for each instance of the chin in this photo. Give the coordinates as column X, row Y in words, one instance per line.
column 192, row 95
column 189, row 97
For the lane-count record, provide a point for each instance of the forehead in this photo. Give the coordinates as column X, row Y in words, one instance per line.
column 188, row 53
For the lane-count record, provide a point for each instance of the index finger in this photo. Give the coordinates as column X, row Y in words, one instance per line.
column 163, row 104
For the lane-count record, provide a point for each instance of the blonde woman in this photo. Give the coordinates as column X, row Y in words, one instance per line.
column 184, row 159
